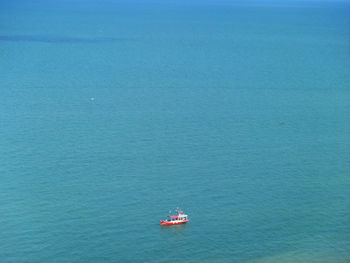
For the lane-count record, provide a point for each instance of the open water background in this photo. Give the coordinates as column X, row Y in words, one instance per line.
column 188, row 100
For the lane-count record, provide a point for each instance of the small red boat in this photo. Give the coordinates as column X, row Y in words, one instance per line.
column 179, row 218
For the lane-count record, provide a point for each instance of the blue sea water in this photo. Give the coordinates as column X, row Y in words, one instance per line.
column 236, row 111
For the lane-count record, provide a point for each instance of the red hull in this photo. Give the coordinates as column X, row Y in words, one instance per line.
column 167, row 223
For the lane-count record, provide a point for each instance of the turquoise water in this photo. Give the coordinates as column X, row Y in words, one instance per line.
column 189, row 97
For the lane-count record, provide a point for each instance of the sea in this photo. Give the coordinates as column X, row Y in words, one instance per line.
column 115, row 112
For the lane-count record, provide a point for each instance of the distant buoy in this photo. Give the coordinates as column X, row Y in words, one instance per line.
column 281, row 122
column 92, row 99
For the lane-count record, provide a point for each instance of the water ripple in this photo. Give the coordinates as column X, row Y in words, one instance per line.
column 59, row 39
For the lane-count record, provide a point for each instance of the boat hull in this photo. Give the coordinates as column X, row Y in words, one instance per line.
column 171, row 223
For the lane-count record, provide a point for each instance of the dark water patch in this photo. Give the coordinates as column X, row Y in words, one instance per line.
column 60, row 39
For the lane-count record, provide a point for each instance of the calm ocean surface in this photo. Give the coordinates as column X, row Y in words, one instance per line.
column 188, row 100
